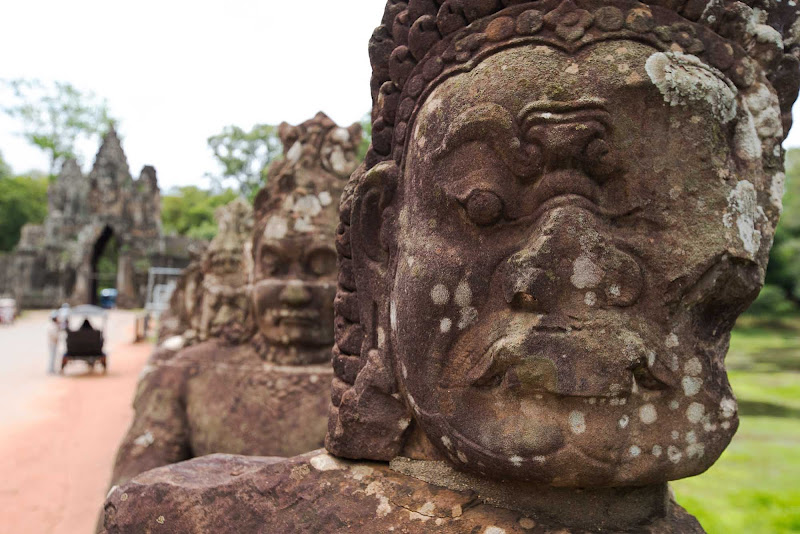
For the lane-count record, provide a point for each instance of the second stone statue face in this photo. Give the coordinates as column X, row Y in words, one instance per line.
column 294, row 286
column 571, row 254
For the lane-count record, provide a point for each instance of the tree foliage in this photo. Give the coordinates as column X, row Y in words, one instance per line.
column 190, row 211
column 784, row 260
column 23, row 200
column 244, row 157
column 55, row 116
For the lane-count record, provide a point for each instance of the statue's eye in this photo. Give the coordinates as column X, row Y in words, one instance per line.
column 484, row 207
column 322, row 262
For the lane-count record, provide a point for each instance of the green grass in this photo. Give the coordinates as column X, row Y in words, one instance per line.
column 755, row 485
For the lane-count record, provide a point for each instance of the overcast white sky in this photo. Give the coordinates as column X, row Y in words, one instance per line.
column 175, row 72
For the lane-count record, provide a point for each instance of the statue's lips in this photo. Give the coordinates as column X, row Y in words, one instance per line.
column 292, row 317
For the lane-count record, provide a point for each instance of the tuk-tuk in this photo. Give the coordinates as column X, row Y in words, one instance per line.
column 8, row 310
column 85, row 328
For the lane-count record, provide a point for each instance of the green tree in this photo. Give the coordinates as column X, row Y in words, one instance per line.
column 244, row 157
column 366, row 136
column 54, row 116
column 190, row 211
column 23, row 200
column 783, row 272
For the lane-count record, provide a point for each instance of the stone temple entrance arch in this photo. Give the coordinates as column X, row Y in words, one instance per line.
column 106, row 248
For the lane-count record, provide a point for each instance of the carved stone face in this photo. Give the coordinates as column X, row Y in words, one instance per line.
column 294, row 285
column 571, row 255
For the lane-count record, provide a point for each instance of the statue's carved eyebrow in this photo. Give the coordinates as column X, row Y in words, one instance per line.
column 494, row 125
column 482, row 122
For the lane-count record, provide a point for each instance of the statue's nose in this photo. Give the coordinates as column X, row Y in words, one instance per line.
column 295, row 294
column 569, row 263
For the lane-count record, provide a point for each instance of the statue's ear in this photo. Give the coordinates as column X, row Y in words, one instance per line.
column 355, row 131
column 373, row 222
column 368, row 420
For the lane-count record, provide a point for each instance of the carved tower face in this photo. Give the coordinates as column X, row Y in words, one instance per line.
column 568, row 226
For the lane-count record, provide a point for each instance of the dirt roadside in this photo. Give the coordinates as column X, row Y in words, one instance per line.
column 56, row 461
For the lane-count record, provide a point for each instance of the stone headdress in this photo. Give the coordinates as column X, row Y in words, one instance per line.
column 753, row 46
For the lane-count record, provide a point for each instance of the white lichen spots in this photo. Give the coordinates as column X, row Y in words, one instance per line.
column 527, row 523
column 695, row 450
column 381, row 337
column 691, row 437
column 403, row 423
column 634, row 451
column 161, row 520
column 695, row 412
column 440, row 295
column 674, row 405
column 585, row 273
column 742, row 206
column 303, row 226
column 675, row 435
column 326, row 462
column 494, row 530
column 674, row 454
column 404, row 370
column 463, row 295
column 672, row 341
column 691, row 385
column 456, row 511
column 725, row 425
column 447, row 443
column 745, row 138
column 468, row 316
column 614, row 290
column 307, row 206
column 277, row 227
column 325, row 198
column 674, row 364
column 591, row 400
column 295, row 152
column 445, row 325
column 577, row 422
column 657, row 450
column 693, row 367
column 145, row 440
column 647, row 414
column 361, row 471
column 174, row 343
column 683, row 79
column 384, row 508
column 516, row 460
column 623, row 68
column 572, row 69
column 727, row 407
column 462, row 457
column 776, row 190
column 393, row 315
column 590, row 299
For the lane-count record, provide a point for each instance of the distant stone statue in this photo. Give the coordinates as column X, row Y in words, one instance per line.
column 261, row 391
column 211, row 299
column 566, row 205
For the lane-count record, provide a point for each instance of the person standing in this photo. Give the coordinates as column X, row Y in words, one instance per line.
column 53, row 335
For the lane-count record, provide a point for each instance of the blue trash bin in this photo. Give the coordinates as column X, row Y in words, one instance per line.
column 108, row 298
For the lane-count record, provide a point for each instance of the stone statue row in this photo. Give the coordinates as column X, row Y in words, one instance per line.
column 565, row 207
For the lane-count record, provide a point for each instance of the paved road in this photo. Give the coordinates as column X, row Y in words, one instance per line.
column 58, row 434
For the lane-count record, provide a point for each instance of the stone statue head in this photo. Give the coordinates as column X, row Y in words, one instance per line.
column 225, row 266
column 565, row 207
column 294, row 258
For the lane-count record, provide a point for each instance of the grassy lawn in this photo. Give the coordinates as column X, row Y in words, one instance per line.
column 755, row 486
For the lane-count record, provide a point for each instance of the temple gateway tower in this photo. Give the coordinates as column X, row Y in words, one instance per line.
column 102, row 230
